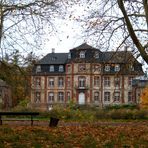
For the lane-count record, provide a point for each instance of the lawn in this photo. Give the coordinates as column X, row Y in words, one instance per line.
column 79, row 135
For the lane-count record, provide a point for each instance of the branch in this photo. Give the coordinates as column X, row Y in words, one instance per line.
column 132, row 33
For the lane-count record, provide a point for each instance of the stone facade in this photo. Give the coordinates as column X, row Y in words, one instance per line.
column 85, row 75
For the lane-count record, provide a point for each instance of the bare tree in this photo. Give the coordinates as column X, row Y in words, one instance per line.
column 24, row 23
column 118, row 23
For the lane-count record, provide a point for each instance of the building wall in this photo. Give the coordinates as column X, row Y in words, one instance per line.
column 74, row 91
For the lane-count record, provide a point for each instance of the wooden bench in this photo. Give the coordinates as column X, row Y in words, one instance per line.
column 31, row 114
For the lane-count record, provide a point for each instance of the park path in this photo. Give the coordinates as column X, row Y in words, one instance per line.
column 62, row 123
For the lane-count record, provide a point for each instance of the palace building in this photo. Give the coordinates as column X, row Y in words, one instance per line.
column 85, row 75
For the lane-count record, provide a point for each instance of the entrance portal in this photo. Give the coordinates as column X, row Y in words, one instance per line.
column 81, row 99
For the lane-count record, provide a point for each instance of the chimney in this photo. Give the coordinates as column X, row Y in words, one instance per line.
column 53, row 50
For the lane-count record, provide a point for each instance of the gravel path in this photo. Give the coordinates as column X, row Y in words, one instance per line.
column 61, row 123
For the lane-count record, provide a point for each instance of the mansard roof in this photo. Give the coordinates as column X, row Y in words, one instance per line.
column 105, row 57
column 83, row 46
column 54, row 58
column 118, row 57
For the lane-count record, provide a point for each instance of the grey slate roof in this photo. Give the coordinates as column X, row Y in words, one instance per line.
column 83, row 46
column 54, row 58
column 108, row 56
column 118, row 57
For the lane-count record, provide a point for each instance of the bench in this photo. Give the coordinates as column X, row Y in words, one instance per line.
column 31, row 114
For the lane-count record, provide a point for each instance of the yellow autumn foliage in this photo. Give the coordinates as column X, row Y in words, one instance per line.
column 144, row 98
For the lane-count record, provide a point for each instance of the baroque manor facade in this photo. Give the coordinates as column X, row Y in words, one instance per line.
column 85, row 75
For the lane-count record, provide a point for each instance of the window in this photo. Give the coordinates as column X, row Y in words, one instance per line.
column 130, row 79
column 60, row 97
column 96, row 81
column 131, row 67
column 69, row 55
column 38, row 68
column 107, row 67
column 116, row 96
column 37, row 82
column 107, row 96
column 50, row 97
column 68, row 96
column 96, row 96
column 61, row 68
column 96, row 55
column 51, row 82
column 37, row 97
column 117, row 81
column 82, row 67
column 117, row 67
column 51, row 68
column 82, row 81
column 68, row 82
column 61, row 82
column 82, row 54
column 106, row 81
column 129, row 96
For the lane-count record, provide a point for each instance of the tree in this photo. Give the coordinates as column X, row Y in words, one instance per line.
column 120, row 23
column 24, row 22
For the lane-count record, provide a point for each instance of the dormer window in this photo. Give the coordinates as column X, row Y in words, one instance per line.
column 117, row 67
column 96, row 55
column 51, row 68
column 82, row 54
column 61, row 68
column 107, row 68
column 69, row 55
column 53, row 58
column 131, row 67
column 38, row 68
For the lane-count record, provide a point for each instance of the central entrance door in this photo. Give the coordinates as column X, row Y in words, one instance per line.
column 81, row 99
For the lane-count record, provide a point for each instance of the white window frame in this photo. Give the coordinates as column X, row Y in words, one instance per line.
column 60, row 82
column 68, row 96
column 61, row 97
column 106, row 81
column 117, row 67
column 116, row 96
column 82, row 81
column 82, row 54
column 37, row 97
column 130, row 80
column 37, row 82
column 50, row 82
column 61, row 68
column 50, row 97
column 51, row 68
column 117, row 81
column 97, row 55
column 96, row 81
column 69, row 55
column 107, row 68
column 38, row 68
column 96, row 97
column 107, row 96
